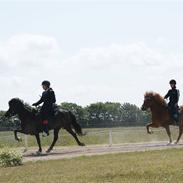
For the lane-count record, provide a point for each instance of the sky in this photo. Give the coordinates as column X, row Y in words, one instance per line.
column 90, row 51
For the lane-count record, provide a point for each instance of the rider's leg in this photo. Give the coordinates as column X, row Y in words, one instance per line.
column 176, row 115
column 45, row 126
column 173, row 113
column 44, row 117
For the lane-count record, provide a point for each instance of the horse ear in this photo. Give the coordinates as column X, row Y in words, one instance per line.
column 15, row 103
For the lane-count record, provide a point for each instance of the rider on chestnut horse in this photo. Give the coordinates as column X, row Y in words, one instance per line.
column 48, row 99
column 173, row 95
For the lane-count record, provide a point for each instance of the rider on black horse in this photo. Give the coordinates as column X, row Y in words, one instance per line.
column 48, row 99
column 173, row 95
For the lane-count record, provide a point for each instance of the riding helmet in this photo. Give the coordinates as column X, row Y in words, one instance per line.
column 46, row 83
column 172, row 81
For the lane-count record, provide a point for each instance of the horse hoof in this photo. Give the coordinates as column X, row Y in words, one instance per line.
column 81, row 144
column 169, row 143
column 48, row 151
column 175, row 142
column 19, row 139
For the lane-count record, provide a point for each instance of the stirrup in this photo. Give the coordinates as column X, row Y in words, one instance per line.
column 45, row 134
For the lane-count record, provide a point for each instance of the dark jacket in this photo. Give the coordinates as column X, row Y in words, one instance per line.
column 173, row 95
column 48, row 99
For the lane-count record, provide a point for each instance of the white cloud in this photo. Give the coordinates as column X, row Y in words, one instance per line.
column 113, row 73
column 26, row 49
column 137, row 54
column 124, row 72
column 25, row 60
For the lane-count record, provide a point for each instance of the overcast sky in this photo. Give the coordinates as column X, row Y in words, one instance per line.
column 90, row 50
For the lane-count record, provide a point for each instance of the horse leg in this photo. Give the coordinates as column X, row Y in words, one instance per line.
column 39, row 143
column 180, row 134
column 168, row 133
column 69, row 129
column 54, row 140
column 15, row 134
column 147, row 127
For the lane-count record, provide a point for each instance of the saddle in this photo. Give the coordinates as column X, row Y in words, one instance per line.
column 52, row 114
column 55, row 109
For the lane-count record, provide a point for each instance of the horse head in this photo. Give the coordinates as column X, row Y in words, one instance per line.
column 152, row 99
column 147, row 103
column 15, row 105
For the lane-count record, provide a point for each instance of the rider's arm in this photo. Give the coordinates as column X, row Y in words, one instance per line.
column 167, row 95
column 178, row 94
column 177, row 100
column 42, row 99
column 38, row 102
column 53, row 98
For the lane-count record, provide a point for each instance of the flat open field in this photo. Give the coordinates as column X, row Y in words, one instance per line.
column 94, row 136
column 155, row 166
column 161, row 166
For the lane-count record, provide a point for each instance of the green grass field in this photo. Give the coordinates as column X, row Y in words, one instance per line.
column 162, row 166
column 94, row 136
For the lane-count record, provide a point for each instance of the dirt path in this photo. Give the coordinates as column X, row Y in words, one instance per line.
column 70, row 152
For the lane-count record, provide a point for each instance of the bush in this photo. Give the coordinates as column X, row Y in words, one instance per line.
column 10, row 158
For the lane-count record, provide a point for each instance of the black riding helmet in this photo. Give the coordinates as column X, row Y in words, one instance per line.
column 172, row 81
column 46, row 83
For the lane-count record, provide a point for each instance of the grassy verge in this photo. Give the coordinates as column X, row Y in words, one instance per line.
column 163, row 166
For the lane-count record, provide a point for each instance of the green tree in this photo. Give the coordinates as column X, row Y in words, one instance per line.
column 131, row 115
column 77, row 110
column 8, row 123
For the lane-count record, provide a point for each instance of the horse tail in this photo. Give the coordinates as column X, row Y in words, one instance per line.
column 76, row 126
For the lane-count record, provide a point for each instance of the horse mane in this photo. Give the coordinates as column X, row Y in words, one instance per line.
column 26, row 105
column 157, row 98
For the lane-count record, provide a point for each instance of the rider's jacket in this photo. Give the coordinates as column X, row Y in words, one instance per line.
column 173, row 95
column 47, row 98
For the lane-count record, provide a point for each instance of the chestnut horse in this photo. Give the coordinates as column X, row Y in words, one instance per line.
column 160, row 114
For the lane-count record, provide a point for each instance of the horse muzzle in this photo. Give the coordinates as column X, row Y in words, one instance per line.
column 8, row 114
column 143, row 108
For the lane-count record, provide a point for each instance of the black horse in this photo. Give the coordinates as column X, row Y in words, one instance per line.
column 31, row 122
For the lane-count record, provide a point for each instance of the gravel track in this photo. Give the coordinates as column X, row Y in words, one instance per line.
column 76, row 151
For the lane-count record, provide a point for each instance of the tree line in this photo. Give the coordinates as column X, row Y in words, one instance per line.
column 108, row 114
